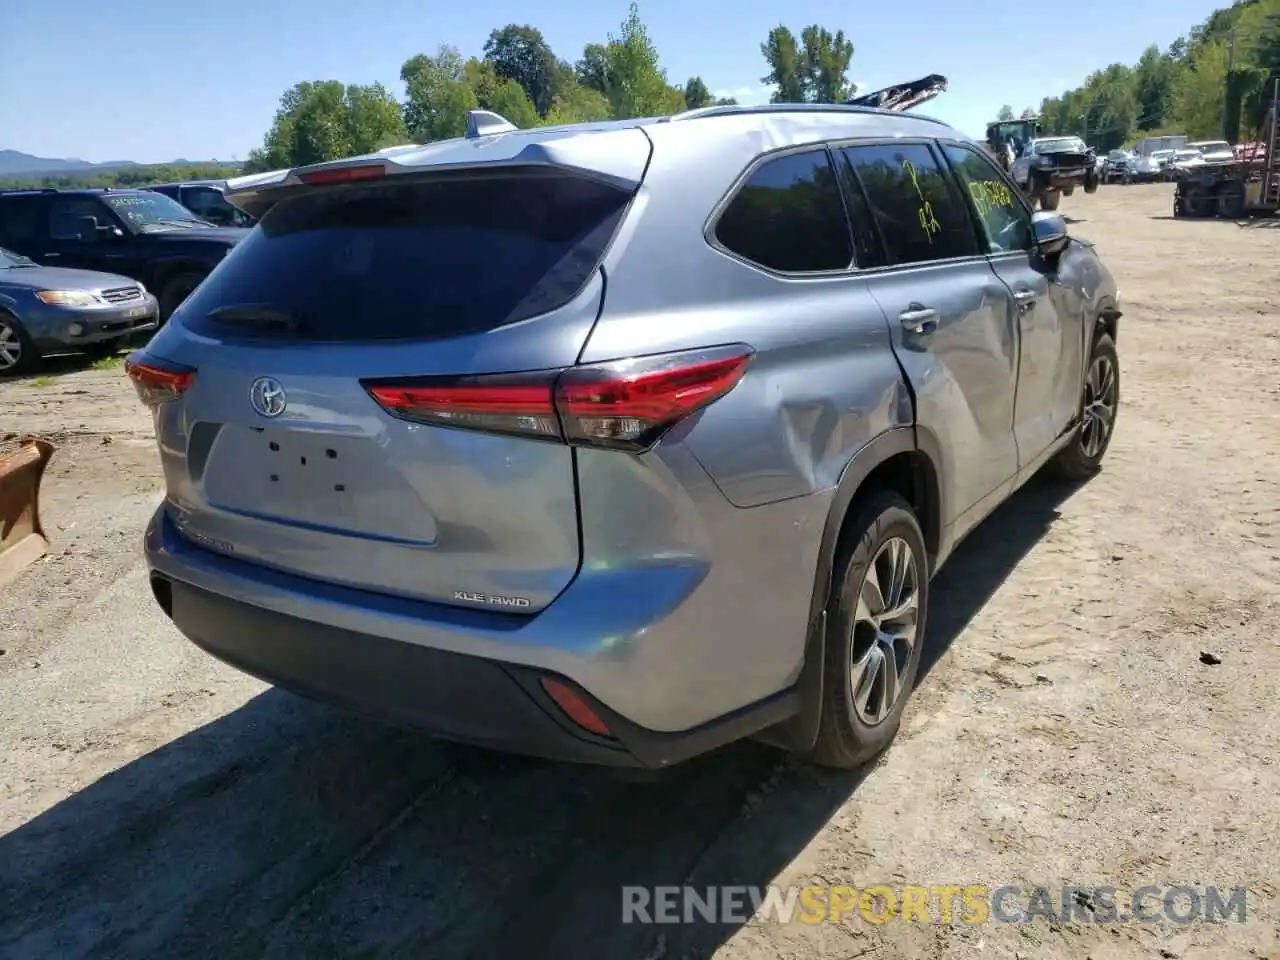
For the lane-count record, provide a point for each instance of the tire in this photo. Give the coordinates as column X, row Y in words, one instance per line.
column 884, row 528
column 1091, row 184
column 175, row 291
column 17, row 353
column 1050, row 200
column 1229, row 203
column 1082, row 457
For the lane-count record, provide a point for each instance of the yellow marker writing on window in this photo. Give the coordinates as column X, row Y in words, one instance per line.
column 928, row 222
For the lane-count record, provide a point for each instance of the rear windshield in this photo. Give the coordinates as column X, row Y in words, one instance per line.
column 414, row 261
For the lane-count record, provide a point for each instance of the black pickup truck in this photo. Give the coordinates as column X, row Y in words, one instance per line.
column 142, row 235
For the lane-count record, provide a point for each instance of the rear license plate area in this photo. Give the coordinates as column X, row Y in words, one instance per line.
column 333, row 482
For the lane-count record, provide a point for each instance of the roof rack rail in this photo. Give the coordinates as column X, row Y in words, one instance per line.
column 745, row 109
column 485, row 123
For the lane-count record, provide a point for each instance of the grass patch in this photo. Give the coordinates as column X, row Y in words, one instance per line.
column 42, row 381
column 108, row 363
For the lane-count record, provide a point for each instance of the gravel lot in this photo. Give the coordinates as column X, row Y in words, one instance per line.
column 154, row 803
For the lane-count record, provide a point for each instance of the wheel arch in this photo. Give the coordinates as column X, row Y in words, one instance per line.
column 1108, row 319
column 904, row 460
column 167, row 270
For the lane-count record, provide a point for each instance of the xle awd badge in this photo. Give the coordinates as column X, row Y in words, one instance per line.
column 491, row 599
column 267, row 397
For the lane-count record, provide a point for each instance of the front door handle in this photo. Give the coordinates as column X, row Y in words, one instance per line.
column 1026, row 300
column 919, row 319
column 50, row 256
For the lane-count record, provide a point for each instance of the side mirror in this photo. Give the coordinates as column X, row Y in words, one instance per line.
column 87, row 229
column 1050, row 232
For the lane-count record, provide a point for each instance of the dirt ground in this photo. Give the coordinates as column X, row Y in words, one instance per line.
column 154, row 803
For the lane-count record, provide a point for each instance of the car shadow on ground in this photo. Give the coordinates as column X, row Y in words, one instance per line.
column 285, row 829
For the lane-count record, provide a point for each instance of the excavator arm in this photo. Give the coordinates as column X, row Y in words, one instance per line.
column 903, row 96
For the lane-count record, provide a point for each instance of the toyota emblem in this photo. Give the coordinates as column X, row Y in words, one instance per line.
column 267, row 396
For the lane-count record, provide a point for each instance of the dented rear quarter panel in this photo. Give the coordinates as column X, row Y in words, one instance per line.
column 823, row 382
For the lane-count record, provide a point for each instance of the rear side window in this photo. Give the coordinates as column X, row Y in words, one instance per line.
column 416, row 261
column 917, row 210
column 789, row 217
column 22, row 220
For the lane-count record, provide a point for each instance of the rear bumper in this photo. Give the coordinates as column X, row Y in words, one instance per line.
column 457, row 696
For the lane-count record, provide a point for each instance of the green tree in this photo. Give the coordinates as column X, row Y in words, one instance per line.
column 1026, row 114
column 438, row 95
column 578, row 104
column 1006, row 113
column 131, row 176
column 325, row 120
column 497, row 93
column 696, row 94
column 593, row 69
column 1200, row 91
column 827, row 56
column 520, row 53
column 636, row 85
column 815, row 70
column 786, row 68
column 1153, row 88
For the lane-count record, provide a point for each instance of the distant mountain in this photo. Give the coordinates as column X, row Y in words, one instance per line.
column 14, row 163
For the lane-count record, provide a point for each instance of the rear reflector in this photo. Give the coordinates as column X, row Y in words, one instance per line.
column 625, row 405
column 574, row 707
column 156, row 381
column 374, row 171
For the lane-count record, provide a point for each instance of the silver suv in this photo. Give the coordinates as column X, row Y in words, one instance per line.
column 618, row 442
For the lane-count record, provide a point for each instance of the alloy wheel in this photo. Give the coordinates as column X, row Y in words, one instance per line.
column 885, row 627
column 10, row 347
column 1099, row 406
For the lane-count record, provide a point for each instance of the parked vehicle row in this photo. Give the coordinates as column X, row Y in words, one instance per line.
column 136, row 250
column 1164, row 163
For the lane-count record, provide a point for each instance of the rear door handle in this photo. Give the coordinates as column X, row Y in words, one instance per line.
column 50, row 256
column 919, row 319
column 1026, row 300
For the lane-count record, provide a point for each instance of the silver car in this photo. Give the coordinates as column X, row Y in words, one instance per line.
column 48, row 310
column 618, row 442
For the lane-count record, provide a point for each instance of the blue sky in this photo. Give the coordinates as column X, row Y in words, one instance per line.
column 154, row 80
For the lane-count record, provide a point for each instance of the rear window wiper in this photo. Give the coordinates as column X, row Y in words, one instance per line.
column 256, row 315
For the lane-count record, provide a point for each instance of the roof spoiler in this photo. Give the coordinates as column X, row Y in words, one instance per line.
column 902, row 96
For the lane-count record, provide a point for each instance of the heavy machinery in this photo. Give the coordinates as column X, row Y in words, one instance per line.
column 1008, row 139
column 22, row 539
column 903, row 96
column 1247, row 185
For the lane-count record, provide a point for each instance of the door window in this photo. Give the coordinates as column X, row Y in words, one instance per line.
column 65, row 214
column 1005, row 222
column 915, row 205
column 789, row 217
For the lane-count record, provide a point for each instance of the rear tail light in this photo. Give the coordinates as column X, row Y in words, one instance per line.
column 625, row 405
column 157, row 381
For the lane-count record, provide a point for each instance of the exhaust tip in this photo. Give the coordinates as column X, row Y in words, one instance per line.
column 162, row 590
